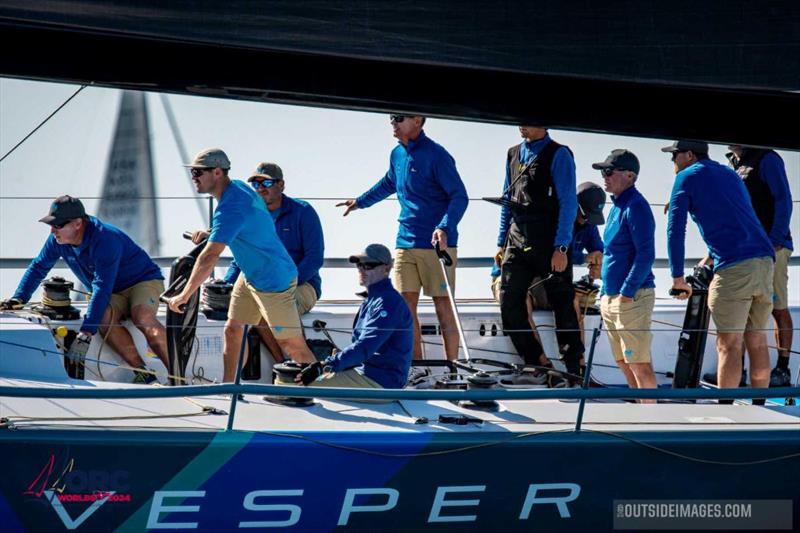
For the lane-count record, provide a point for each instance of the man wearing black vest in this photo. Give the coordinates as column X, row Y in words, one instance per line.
column 534, row 241
column 764, row 175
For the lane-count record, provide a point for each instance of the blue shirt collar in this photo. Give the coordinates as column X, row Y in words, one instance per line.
column 416, row 142
column 625, row 197
column 87, row 235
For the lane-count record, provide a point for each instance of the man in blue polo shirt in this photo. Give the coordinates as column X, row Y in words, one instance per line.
column 628, row 294
column 764, row 176
column 125, row 282
column 740, row 295
column 300, row 231
column 266, row 288
column 383, row 334
column 432, row 201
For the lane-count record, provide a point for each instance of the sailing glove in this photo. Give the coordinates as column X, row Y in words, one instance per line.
column 11, row 304
column 311, row 373
column 79, row 348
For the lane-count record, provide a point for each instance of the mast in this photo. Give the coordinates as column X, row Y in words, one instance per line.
column 128, row 197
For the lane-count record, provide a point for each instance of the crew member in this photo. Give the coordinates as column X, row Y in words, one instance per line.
column 383, row 337
column 764, row 176
column 432, row 201
column 125, row 282
column 300, row 231
column 740, row 295
column 534, row 240
column 266, row 288
column 628, row 294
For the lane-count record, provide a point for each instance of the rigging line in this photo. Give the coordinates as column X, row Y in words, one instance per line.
column 714, row 333
column 42, row 123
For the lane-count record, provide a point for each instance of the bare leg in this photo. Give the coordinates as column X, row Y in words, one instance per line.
column 645, row 377
column 232, row 345
column 145, row 319
column 297, row 349
column 729, row 354
column 266, row 336
column 412, row 299
column 628, row 373
column 447, row 321
column 759, row 358
column 783, row 331
column 118, row 338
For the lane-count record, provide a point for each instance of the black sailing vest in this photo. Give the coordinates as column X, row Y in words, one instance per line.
column 535, row 220
column 747, row 167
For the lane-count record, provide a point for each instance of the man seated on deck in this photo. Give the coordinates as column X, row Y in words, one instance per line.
column 383, row 333
column 266, row 288
column 628, row 282
column 125, row 282
column 300, row 231
column 740, row 295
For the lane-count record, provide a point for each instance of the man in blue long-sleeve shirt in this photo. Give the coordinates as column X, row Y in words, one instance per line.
column 124, row 281
column 383, row 337
column 300, row 231
column 764, row 176
column 740, row 295
column 628, row 295
column 432, row 201
column 534, row 240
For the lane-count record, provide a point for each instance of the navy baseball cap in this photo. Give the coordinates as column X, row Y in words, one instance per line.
column 62, row 210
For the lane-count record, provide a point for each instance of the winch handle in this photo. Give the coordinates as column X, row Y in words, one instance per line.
column 187, row 235
column 444, row 257
column 676, row 292
column 172, row 290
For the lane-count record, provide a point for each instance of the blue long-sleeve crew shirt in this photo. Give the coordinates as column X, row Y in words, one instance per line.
column 716, row 198
column 563, row 171
column 773, row 172
column 585, row 240
column 383, row 338
column 107, row 260
column 300, row 231
column 429, row 189
column 630, row 250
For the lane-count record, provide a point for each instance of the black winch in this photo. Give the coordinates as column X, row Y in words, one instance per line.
column 481, row 381
column 215, row 299
column 56, row 303
column 284, row 374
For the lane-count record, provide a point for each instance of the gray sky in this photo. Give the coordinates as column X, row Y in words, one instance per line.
column 323, row 153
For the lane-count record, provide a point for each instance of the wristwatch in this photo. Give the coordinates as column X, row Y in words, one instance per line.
column 563, row 249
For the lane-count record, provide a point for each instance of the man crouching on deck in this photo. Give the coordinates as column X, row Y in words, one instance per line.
column 125, row 282
column 383, row 333
column 266, row 288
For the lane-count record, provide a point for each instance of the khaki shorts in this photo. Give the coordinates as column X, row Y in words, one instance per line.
column 780, row 281
column 740, row 296
column 143, row 293
column 416, row 268
column 350, row 378
column 278, row 309
column 628, row 325
column 306, row 298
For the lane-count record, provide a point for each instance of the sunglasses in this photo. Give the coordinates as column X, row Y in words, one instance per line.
column 675, row 154
column 608, row 171
column 61, row 226
column 397, row 118
column 263, row 184
column 197, row 172
column 368, row 266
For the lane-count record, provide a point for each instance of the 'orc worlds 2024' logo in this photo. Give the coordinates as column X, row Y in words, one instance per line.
column 65, row 484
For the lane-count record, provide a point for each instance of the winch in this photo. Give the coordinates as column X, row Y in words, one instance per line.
column 56, row 303
column 215, row 299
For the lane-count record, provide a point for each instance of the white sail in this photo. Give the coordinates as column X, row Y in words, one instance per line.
column 128, row 197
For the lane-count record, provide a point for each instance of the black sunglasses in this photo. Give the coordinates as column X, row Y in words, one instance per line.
column 368, row 266
column 607, row 171
column 197, row 172
column 675, row 154
column 397, row 118
column 61, row 226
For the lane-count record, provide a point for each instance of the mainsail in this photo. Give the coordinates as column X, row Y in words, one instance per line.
column 128, row 197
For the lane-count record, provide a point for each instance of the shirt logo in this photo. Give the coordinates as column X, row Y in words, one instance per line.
column 383, row 314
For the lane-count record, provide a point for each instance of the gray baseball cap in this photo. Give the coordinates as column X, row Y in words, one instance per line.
column 267, row 170
column 62, row 210
column 374, row 253
column 697, row 147
column 210, row 158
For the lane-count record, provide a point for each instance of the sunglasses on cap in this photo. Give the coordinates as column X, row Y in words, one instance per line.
column 263, row 184
column 368, row 266
column 197, row 172
column 675, row 154
column 397, row 118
